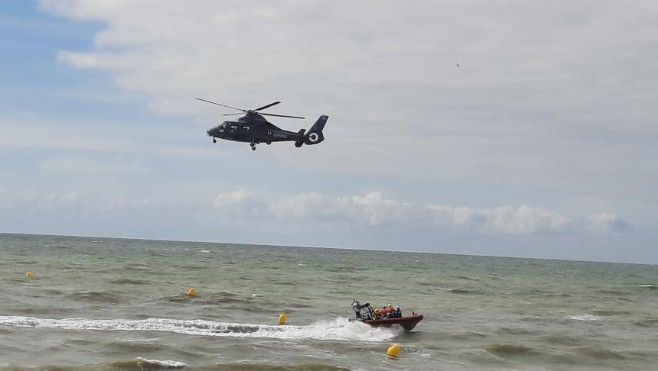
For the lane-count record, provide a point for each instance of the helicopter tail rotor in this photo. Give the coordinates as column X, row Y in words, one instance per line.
column 314, row 135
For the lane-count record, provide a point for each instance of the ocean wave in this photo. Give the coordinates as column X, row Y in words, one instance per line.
column 584, row 317
column 464, row 277
column 469, row 335
column 647, row 322
column 269, row 367
column 140, row 363
column 96, row 297
column 508, row 349
column 610, row 313
column 465, row 292
column 599, row 353
column 564, row 340
column 128, row 281
column 517, row 331
column 539, row 292
column 221, row 298
column 339, row 329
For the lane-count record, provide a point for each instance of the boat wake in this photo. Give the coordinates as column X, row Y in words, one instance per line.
column 340, row 329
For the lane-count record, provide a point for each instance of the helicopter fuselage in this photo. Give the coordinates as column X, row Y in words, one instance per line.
column 247, row 133
column 253, row 130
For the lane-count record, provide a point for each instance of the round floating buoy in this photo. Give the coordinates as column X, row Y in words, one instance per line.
column 191, row 292
column 283, row 317
column 28, row 275
column 393, row 351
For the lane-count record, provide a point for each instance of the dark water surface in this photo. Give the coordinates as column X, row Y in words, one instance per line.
column 96, row 303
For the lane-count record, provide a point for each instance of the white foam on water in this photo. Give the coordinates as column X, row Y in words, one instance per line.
column 343, row 329
column 340, row 329
column 161, row 364
column 584, row 317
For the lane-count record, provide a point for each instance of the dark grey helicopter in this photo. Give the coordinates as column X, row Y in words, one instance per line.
column 253, row 128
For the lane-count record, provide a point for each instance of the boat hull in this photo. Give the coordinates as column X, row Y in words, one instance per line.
column 407, row 323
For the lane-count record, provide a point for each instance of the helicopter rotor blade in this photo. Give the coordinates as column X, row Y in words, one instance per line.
column 272, row 114
column 250, row 111
column 219, row 104
column 267, row 106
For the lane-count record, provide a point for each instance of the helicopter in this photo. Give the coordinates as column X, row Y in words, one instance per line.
column 254, row 129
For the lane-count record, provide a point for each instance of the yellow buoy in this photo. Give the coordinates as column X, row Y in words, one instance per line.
column 191, row 292
column 28, row 275
column 393, row 351
column 283, row 317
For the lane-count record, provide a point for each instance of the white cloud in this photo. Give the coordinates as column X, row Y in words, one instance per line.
column 302, row 206
column 87, row 165
column 68, row 197
column 372, row 208
column 607, row 223
column 231, row 199
column 67, row 201
column 375, row 210
column 501, row 220
column 28, row 130
column 240, row 204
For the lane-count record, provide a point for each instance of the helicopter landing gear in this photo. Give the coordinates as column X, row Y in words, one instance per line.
column 253, row 145
column 214, row 140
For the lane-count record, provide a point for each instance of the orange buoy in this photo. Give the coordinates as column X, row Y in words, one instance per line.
column 393, row 351
column 283, row 318
column 191, row 292
column 28, row 275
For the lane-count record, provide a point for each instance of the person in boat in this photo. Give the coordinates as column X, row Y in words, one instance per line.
column 364, row 312
column 389, row 312
column 384, row 317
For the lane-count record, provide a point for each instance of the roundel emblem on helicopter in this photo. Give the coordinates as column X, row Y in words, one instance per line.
column 313, row 137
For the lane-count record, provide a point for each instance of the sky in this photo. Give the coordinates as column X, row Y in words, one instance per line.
column 507, row 128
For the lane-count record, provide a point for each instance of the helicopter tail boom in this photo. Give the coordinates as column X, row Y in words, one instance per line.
column 314, row 135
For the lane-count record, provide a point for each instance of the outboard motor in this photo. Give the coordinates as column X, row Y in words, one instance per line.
column 356, row 306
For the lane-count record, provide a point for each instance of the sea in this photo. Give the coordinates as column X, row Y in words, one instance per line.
column 72, row 303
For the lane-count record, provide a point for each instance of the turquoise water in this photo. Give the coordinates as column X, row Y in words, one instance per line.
column 95, row 303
